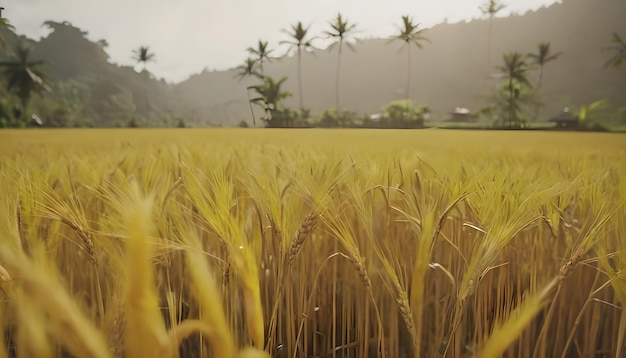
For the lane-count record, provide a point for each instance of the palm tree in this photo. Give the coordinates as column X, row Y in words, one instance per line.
column 300, row 41
column 410, row 34
column 542, row 57
column 340, row 31
column 269, row 96
column 491, row 8
column 618, row 47
column 247, row 69
column 4, row 24
column 514, row 69
column 261, row 53
column 23, row 75
column 143, row 55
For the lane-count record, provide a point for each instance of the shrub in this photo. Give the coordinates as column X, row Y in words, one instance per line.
column 403, row 114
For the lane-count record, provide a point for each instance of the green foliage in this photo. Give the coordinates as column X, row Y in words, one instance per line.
column 403, row 114
column 8, row 112
column 597, row 105
column 512, row 112
column 618, row 48
column 65, row 106
column 299, row 37
column 396, row 114
column 515, row 70
column 542, row 57
column 261, row 54
column 70, row 54
column 410, row 34
column 585, row 110
column 23, row 75
column 247, row 69
column 110, row 101
column 287, row 118
column 300, row 41
column 143, row 55
column 332, row 118
column 88, row 90
column 341, row 31
column 491, row 8
column 4, row 24
column 269, row 97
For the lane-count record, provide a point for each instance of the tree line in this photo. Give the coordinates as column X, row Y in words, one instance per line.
column 24, row 77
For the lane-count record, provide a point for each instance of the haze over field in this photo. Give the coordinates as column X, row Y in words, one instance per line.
column 193, row 34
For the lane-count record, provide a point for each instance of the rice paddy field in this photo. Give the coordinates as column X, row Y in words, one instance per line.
column 312, row 243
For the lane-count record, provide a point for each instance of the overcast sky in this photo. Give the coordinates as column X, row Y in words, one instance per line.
column 189, row 35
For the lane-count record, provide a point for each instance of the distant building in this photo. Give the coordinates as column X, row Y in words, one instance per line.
column 566, row 119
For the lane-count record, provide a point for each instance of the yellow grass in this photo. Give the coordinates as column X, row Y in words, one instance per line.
column 312, row 243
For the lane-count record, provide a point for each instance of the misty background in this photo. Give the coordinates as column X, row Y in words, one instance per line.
column 87, row 50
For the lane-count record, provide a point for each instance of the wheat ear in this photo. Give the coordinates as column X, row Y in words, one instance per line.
column 305, row 229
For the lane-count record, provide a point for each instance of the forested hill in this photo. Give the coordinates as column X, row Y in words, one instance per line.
column 86, row 89
column 451, row 71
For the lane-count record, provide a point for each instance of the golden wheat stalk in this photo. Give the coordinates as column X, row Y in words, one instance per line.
column 4, row 275
column 66, row 322
column 86, row 239
column 145, row 330
column 358, row 263
column 507, row 331
column 212, row 310
column 305, row 229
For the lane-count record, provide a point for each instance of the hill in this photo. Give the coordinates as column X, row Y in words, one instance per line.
column 451, row 71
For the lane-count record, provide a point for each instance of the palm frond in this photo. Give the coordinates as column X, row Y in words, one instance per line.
column 410, row 33
column 618, row 47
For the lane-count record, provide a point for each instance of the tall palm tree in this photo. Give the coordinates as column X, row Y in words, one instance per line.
column 514, row 69
column 4, row 24
column 491, row 8
column 618, row 47
column 341, row 31
column 24, row 76
column 143, row 55
column 301, row 42
column 410, row 34
column 542, row 57
column 261, row 53
column 247, row 69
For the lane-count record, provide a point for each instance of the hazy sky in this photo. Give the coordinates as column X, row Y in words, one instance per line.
column 189, row 35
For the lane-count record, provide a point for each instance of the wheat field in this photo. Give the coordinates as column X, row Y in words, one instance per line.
column 312, row 243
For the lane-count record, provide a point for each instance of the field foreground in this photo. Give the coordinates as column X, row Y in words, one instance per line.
column 312, row 243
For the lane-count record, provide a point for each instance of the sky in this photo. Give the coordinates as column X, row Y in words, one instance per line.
column 188, row 36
